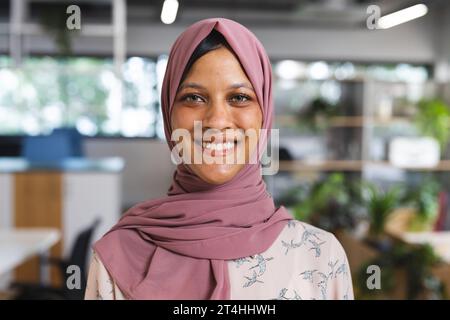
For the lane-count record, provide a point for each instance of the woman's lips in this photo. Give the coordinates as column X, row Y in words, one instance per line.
column 217, row 149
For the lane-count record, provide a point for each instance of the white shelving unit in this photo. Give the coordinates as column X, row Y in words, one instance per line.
column 18, row 27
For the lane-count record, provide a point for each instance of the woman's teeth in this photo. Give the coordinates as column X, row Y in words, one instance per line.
column 218, row 146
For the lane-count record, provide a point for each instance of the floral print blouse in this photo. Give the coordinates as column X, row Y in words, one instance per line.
column 304, row 262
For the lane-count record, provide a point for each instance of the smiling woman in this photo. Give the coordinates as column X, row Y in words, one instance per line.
column 216, row 91
column 217, row 234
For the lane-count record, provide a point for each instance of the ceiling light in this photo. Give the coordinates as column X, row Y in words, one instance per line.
column 402, row 16
column 169, row 11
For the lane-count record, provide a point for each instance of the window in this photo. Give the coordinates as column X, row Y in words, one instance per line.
column 84, row 92
column 48, row 92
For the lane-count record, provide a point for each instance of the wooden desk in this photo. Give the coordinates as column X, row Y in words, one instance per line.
column 67, row 196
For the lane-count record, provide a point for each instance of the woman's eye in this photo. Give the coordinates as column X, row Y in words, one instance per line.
column 192, row 98
column 240, row 98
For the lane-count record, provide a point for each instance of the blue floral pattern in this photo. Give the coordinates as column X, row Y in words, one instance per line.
column 304, row 262
column 322, row 268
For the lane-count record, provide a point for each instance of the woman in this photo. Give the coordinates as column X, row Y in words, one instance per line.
column 217, row 234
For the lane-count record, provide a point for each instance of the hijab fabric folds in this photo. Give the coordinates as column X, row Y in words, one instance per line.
column 177, row 247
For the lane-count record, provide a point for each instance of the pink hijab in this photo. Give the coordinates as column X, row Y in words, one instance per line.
column 177, row 247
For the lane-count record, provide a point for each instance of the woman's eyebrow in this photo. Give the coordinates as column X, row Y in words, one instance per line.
column 199, row 86
column 240, row 85
column 190, row 85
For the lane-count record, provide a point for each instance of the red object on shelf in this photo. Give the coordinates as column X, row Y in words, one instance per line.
column 442, row 211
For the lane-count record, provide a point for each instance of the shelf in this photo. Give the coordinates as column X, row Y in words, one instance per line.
column 356, row 79
column 330, row 165
column 347, row 121
column 349, row 165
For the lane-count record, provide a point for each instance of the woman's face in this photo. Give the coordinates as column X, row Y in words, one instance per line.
column 217, row 92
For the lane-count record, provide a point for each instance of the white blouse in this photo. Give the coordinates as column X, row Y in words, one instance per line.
column 304, row 262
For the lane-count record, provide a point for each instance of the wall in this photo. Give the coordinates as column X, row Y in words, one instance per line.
column 442, row 45
column 148, row 168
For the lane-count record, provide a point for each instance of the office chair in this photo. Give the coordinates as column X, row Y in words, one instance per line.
column 60, row 144
column 77, row 257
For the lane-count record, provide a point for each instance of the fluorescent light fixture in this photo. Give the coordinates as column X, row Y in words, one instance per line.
column 319, row 70
column 169, row 11
column 402, row 16
column 290, row 69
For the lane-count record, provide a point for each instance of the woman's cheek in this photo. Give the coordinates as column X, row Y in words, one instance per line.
column 250, row 118
column 182, row 117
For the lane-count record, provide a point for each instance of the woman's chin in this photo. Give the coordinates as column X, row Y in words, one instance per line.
column 217, row 173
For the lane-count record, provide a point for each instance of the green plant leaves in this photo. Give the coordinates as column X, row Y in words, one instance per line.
column 433, row 119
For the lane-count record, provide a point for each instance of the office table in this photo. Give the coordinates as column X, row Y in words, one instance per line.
column 19, row 244
column 67, row 195
column 439, row 240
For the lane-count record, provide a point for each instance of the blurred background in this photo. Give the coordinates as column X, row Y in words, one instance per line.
column 362, row 96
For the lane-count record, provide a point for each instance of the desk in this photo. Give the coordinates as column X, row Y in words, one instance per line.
column 17, row 245
column 67, row 195
column 439, row 240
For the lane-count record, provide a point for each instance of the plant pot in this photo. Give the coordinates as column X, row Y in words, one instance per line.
column 408, row 220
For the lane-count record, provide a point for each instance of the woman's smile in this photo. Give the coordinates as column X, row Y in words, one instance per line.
column 214, row 149
column 219, row 147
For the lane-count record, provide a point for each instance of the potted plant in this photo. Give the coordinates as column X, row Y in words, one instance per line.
column 420, row 209
column 317, row 115
column 329, row 204
column 424, row 200
column 380, row 204
column 407, row 274
column 53, row 20
column 433, row 119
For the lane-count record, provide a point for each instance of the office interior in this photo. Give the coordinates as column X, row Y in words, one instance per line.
column 362, row 103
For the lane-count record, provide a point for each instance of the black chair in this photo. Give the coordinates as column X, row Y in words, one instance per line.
column 78, row 257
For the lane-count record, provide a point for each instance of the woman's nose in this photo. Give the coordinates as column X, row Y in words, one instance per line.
column 217, row 116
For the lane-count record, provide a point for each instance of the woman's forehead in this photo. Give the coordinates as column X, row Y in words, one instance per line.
column 216, row 66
